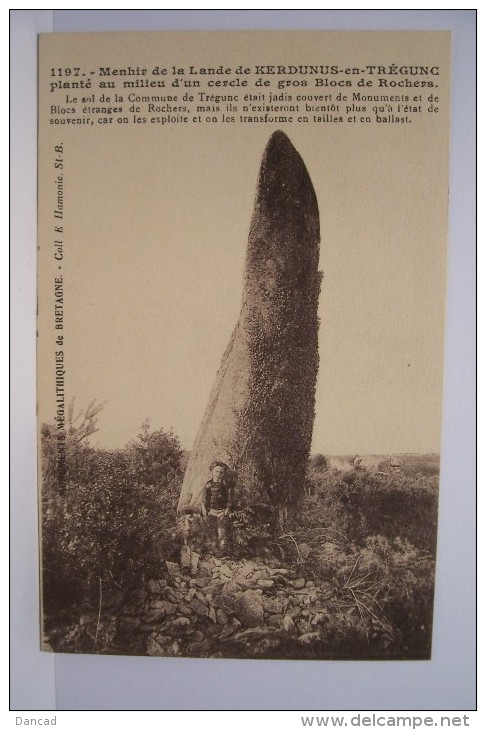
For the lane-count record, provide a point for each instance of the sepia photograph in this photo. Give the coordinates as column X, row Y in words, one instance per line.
column 241, row 308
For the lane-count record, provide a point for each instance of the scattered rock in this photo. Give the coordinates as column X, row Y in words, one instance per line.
column 194, row 563
column 211, row 631
column 221, row 616
column 155, row 617
column 309, row 638
column 185, row 559
column 280, row 571
column 230, row 588
column 272, row 562
column 178, row 596
column 199, row 608
column 230, row 628
column 169, row 593
column 303, row 626
column 159, row 610
column 173, row 568
column 225, row 601
column 201, row 597
column 294, row 599
column 212, row 614
column 259, row 575
column 84, row 620
column 201, row 582
column 154, row 648
column 198, row 648
column 293, row 612
column 249, row 608
column 256, row 632
column 160, row 643
column 299, row 583
column 177, row 624
column 287, row 622
column 318, row 618
column 204, row 568
column 265, row 583
column 275, row 619
column 226, row 571
column 273, row 605
column 244, row 583
column 213, row 588
column 161, row 605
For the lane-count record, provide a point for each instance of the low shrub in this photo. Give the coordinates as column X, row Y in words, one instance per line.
column 371, row 538
column 359, row 503
column 111, row 526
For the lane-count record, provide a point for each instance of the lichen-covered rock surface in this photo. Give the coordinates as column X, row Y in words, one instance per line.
column 260, row 413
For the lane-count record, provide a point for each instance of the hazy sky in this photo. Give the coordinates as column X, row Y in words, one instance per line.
column 157, row 222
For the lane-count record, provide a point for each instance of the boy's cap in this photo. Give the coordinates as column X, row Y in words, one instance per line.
column 218, row 463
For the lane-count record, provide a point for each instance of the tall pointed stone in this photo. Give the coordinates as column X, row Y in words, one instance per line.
column 260, row 413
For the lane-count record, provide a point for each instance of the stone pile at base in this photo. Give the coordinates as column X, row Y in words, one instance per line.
column 227, row 608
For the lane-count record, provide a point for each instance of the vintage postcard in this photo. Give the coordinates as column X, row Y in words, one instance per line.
column 242, row 245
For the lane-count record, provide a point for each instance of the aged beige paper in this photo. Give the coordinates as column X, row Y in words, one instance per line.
column 153, row 149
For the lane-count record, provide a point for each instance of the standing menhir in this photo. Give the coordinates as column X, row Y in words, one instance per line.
column 260, row 413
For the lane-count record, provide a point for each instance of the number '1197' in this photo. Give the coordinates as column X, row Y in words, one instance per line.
column 65, row 71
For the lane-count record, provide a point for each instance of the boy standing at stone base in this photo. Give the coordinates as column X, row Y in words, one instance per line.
column 216, row 504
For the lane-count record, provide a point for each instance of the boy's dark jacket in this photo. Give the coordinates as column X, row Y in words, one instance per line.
column 217, row 495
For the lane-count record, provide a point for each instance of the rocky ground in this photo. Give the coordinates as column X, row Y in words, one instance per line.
column 223, row 607
column 217, row 607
